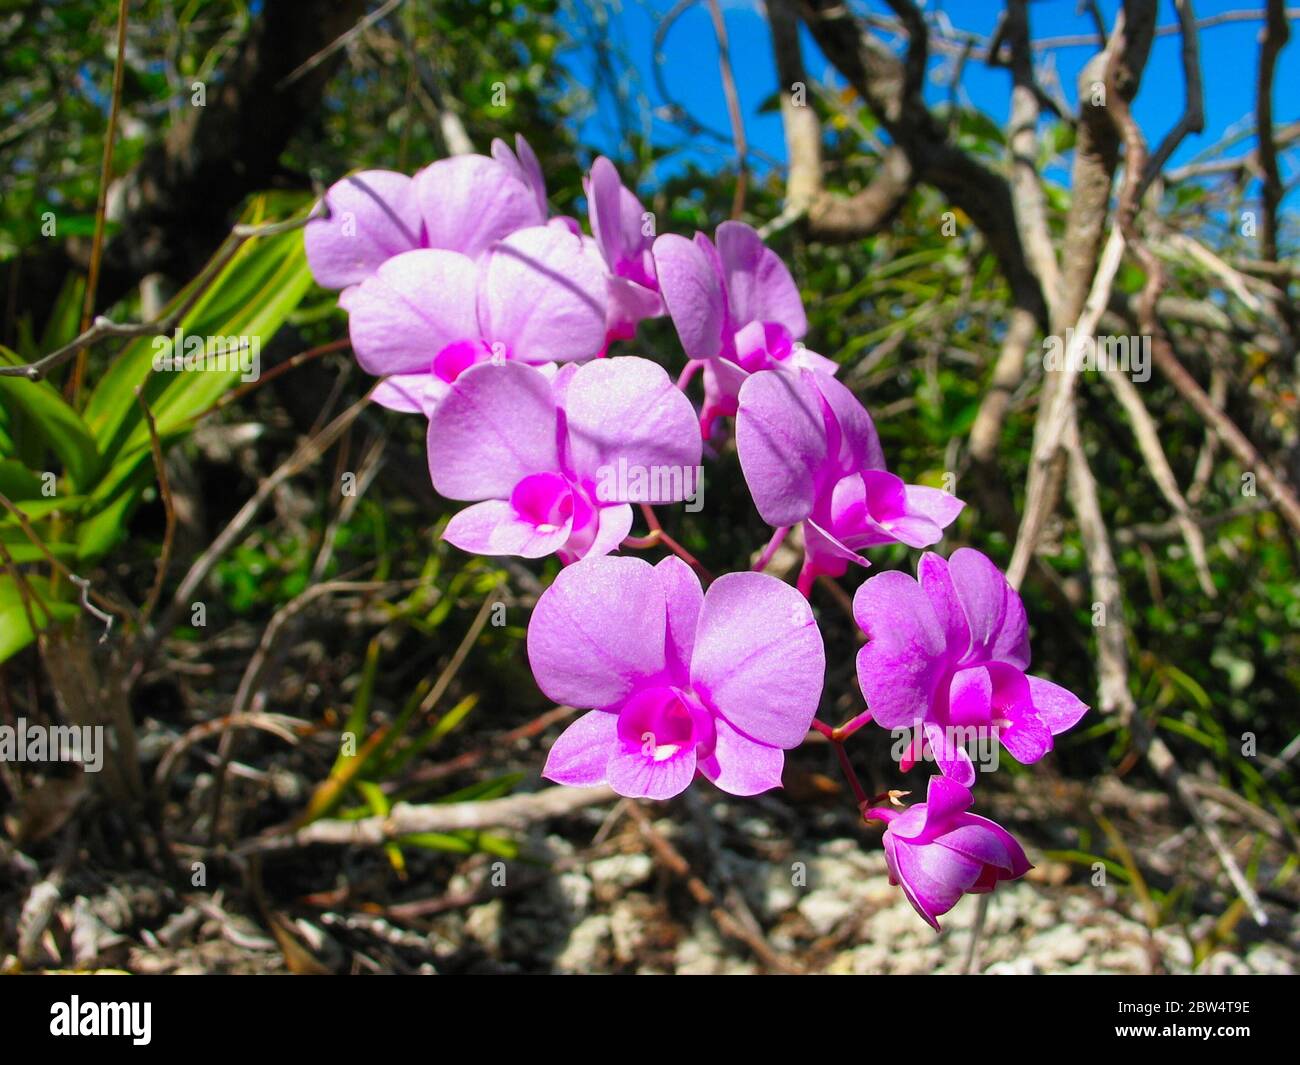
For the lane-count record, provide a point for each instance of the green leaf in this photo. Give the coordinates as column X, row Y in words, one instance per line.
column 17, row 481
column 462, row 843
column 21, row 549
column 251, row 297
column 56, row 423
column 100, row 531
column 35, row 509
column 15, row 628
column 65, row 318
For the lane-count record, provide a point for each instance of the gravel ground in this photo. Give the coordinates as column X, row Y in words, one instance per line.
column 834, row 911
column 593, row 895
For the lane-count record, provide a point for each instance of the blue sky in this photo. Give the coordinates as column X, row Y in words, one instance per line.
column 1229, row 54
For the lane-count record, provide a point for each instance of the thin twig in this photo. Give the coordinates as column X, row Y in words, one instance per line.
column 734, row 114
column 1055, row 416
column 341, row 41
column 1085, row 40
column 303, row 456
column 101, row 207
column 292, row 363
column 461, row 653
column 87, row 593
column 278, row 724
column 1193, row 117
column 1147, row 434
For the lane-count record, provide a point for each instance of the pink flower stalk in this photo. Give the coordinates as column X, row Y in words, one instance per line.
column 720, row 683
column 464, row 204
column 948, row 653
column 546, row 454
column 810, row 453
column 735, row 307
column 938, row 852
column 538, row 296
column 618, row 225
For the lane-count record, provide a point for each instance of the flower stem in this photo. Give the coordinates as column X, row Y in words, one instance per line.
column 805, row 580
column 658, row 535
column 777, row 537
column 846, row 766
column 688, row 372
column 859, row 793
column 852, row 725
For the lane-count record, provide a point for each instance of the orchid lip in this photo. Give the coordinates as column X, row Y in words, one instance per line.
column 458, row 356
column 665, row 721
column 543, row 499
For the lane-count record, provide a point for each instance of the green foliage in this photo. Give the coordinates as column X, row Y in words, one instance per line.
column 103, row 453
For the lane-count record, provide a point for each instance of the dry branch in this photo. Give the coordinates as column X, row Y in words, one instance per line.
column 517, row 811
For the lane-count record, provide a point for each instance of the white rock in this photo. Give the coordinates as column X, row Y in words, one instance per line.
column 1126, row 958
column 1268, row 959
column 621, row 870
column 582, row 949
column 575, row 889
column 1021, row 966
column 1223, row 963
column 483, row 923
column 779, row 892
column 1174, row 949
column 627, row 929
column 1063, row 945
column 823, row 909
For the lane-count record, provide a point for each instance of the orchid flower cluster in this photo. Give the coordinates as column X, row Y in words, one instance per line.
column 494, row 321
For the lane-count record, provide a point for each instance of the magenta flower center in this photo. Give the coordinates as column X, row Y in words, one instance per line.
column 544, row 500
column 639, row 269
column 459, row 356
column 664, row 722
column 760, row 344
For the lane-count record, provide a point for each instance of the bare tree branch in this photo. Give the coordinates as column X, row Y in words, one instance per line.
column 1276, row 33
column 890, row 88
column 517, row 811
column 1147, row 435
column 1193, row 117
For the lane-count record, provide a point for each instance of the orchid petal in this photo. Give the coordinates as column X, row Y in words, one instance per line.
column 598, row 632
column 496, row 426
column 759, row 657
column 372, row 216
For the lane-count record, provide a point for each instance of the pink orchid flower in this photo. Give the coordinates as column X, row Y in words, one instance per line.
column 938, row 852
column 618, row 225
column 682, row 681
column 735, row 307
column 544, row 453
column 524, row 167
column 538, row 296
column 810, row 453
column 948, row 653
column 464, row 204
